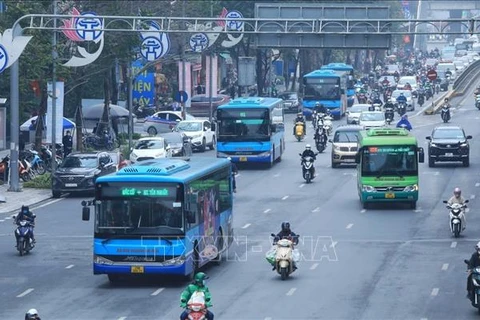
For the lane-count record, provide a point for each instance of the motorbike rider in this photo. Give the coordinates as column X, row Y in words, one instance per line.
column 320, row 108
column 448, row 73
column 404, row 123
column 402, row 99
column 286, row 232
column 26, row 214
column 457, row 198
column 300, row 118
column 32, row 314
column 446, row 104
column 385, row 82
column 308, row 152
column 377, row 100
column 472, row 264
column 320, row 135
column 234, row 173
column 407, row 86
column 197, row 285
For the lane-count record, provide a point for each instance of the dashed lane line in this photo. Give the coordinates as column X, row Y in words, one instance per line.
column 24, row 293
column 2, row 220
column 48, row 203
column 472, row 196
column 285, row 198
column 316, row 209
column 291, row 291
column 302, row 185
column 267, row 211
column 363, row 211
column 454, row 244
column 70, row 266
column 122, row 318
column 445, row 266
column 157, row 292
column 314, row 266
column 349, row 226
column 246, row 226
column 435, row 292
column 477, row 184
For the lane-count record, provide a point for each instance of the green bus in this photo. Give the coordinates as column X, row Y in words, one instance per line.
column 387, row 166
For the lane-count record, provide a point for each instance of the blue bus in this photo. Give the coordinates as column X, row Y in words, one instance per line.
column 163, row 216
column 340, row 69
column 251, row 130
column 327, row 88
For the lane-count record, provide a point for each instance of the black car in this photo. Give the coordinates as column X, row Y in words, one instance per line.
column 448, row 144
column 178, row 144
column 78, row 172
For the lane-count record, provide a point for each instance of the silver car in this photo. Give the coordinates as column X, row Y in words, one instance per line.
column 291, row 101
column 353, row 113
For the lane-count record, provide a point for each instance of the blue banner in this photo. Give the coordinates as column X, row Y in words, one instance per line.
column 144, row 85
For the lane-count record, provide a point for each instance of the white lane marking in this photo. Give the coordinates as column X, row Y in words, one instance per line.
column 314, row 266
column 472, row 196
column 24, row 293
column 424, row 319
column 363, row 211
column 285, row 198
column 257, row 249
column 2, row 220
column 454, row 244
column 316, row 209
column 8, row 218
column 350, row 226
column 434, row 291
column 334, row 243
column 70, row 266
column 267, row 318
column 267, row 211
column 477, row 184
column 302, row 185
column 291, row 291
column 246, row 226
column 157, row 292
column 48, row 203
column 445, row 266
column 122, row 318
column 276, row 175
column 436, row 173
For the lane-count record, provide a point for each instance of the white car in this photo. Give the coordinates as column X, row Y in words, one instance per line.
column 163, row 122
column 372, row 119
column 407, row 79
column 200, row 132
column 353, row 113
column 149, row 148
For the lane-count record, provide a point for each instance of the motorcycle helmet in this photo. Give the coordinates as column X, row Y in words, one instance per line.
column 308, row 147
column 457, row 192
column 25, row 209
column 446, row 100
column 200, row 278
column 477, row 246
column 286, row 226
column 31, row 314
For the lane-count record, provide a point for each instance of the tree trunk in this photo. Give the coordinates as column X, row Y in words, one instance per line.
column 295, row 75
column 114, row 87
column 260, row 76
column 104, row 121
column 42, row 109
column 78, row 93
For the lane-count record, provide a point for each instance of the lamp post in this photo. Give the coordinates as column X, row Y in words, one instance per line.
column 210, row 75
column 54, row 91
column 184, row 71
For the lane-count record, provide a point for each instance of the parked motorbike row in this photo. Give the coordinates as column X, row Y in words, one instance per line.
column 100, row 142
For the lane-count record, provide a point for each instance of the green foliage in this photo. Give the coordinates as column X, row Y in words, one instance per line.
column 125, row 151
column 43, row 181
column 123, row 137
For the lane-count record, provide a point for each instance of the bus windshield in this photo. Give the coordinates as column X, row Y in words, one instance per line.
column 322, row 89
column 379, row 161
column 140, row 209
column 243, row 125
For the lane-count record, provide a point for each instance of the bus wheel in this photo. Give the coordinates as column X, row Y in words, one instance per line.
column 273, row 158
column 195, row 263
column 366, row 205
column 413, row 205
column 220, row 245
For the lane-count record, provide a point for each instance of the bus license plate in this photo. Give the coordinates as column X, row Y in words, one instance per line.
column 243, row 158
column 390, row 195
column 448, row 154
column 137, row 269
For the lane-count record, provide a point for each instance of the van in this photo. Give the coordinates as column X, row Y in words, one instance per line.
column 443, row 67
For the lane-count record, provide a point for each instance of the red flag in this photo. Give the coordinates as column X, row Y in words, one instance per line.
column 35, row 85
column 222, row 15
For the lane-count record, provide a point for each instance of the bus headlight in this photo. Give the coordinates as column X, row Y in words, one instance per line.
column 101, row 260
column 367, row 188
column 264, row 154
column 175, row 261
column 412, row 188
column 222, row 155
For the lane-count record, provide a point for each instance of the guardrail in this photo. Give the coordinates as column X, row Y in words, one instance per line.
column 459, row 86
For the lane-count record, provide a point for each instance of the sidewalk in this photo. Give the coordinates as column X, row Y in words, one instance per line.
column 13, row 201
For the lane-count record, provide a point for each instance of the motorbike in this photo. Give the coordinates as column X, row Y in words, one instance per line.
column 402, row 108
column 377, row 106
column 284, row 256
column 144, row 111
column 38, row 166
column 308, row 170
column 445, row 114
column 477, row 101
column 475, row 282
column 428, row 93
column 327, row 124
column 321, row 140
column 23, row 235
column 46, row 156
column 196, row 307
column 457, row 212
column 421, row 100
column 4, row 168
column 362, row 98
column 299, row 131
column 389, row 115
column 105, row 141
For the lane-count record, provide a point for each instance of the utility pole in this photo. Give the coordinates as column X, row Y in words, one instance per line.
column 14, row 124
column 210, row 73
column 184, row 71
column 54, row 90
column 130, row 80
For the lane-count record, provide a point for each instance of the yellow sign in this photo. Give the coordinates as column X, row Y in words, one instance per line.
column 243, row 158
column 137, row 269
column 390, row 195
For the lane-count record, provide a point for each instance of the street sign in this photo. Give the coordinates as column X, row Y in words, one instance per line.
column 432, row 75
column 181, row 96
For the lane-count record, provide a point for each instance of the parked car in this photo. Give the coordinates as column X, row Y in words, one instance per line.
column 291, row 101
column 200, row 104
column 372, row 119
column 163, row 121
column 408, row 94
column 148, row 148
column 178, row 144
column 201, row 133
column 448, row 143
column 345, row 144
column 353, row 113
column 78, row 172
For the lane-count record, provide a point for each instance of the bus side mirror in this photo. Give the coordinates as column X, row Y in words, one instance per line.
column 213, row 125
column 273, row 127
column 191, row 217
column 357, row 157
column 421, row 155
column 85, row 213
